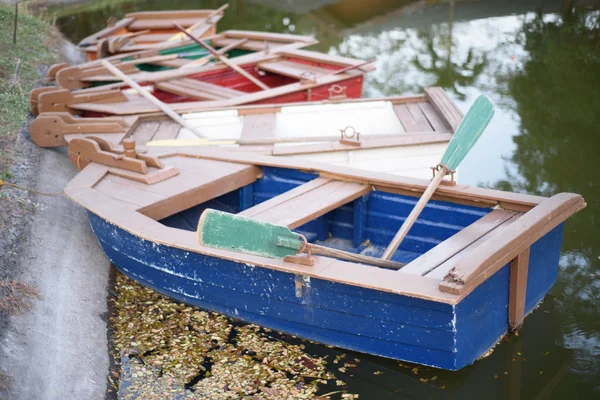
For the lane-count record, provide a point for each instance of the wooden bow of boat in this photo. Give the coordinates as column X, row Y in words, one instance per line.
column 144, row 30
column 173, row 55
column 401, row 135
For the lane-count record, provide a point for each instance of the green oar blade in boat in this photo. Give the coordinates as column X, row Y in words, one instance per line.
column 246, row 235
column 470, row 129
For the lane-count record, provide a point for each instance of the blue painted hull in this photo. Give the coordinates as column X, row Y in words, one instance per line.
column 359, row 319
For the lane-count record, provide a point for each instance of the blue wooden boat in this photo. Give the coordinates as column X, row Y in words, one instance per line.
column 474, row 264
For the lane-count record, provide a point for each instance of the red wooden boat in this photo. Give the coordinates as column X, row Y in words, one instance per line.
column 290, row 75
column 147, row 29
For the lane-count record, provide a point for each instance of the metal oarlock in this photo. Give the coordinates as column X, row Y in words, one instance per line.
column 350, row 137
column 297, row 259
column 437, row 168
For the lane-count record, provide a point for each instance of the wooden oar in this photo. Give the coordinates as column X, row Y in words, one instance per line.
column 165, row 108
column 223, row 59
column 178, row 36
column 468, row 132
column 241, row 234
column 351, row 67
column 201, row 61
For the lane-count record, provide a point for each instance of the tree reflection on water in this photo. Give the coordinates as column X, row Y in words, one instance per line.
column 555, row 95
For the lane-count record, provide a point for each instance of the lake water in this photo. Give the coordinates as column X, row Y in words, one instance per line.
column 539, row 61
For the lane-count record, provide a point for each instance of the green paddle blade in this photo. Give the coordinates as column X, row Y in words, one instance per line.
column 468, row 132
column 246, row 235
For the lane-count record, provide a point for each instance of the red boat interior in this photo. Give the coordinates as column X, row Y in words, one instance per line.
column 223, row 84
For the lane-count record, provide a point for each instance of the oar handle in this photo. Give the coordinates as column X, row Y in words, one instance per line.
column 414, row 214
column 165, row 108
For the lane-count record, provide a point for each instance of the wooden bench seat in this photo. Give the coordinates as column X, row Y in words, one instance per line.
column 294, row 70
column 437, row 262
column 307, row 202
column 198, row 90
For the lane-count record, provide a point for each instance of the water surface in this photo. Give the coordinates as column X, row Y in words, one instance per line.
column 539, row 61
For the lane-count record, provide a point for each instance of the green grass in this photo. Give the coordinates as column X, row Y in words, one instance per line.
column 35, row 45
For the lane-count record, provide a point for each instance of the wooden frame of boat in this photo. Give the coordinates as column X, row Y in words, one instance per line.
column 146, row 29
column 478, row 262
column 74, row 77
column 304, row 75
column 402, row 135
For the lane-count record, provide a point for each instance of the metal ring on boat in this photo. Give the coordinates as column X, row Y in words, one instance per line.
column 305, row 245
column 346, row 135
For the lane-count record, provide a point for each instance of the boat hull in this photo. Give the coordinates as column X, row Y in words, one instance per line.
column 448, row 336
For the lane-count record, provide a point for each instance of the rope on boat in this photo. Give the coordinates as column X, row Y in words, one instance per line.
column 3, row 183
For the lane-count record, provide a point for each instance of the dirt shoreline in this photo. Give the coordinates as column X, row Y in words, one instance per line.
column 54, row 346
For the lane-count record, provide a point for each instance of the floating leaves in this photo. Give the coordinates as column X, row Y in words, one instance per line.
column 178, row 351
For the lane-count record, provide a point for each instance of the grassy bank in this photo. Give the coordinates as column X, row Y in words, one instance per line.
column 21, row 65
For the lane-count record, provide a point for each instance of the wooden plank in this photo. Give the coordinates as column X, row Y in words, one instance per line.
column 406, row 118
column 213, row 188
column 487, row 259
column 434, row 119
column 446, row 107
column 124, row 192
column 198, row 90
column 456, row 243
column 367, row 143
column 290, row 194
column 442, row 270
column 222, row 91
column 309, row 201
column 519, row 268
column 419, row 117
column 293, row 69
column 167, row 130
column 412, row 186
column 181, row 90
column 259, row 126
column 145, row 131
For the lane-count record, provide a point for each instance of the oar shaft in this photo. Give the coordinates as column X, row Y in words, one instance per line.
column 165, row 108
column 224, row 60
column 201, row 61
column 414, row 214
column 346, row 255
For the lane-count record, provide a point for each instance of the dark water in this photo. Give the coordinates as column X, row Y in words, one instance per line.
column 539, row 60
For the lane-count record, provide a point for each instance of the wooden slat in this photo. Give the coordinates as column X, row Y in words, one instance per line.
column 419, row 117
column 442, row 270
column 294, row 70
column 406, row 118
column 167, row 130
column 453, row 245
column 224, row 92
column 489, row 258
column 434, row 119
column 124, row 192
column 198, row 90
column 519, row 268
column 387, row 141
column 145, row 132
column 308, row 202
column 182, row 90
column 290, row 194
column 201, row 192
column 166, row 23
column 446, row 107
column 259, row 126
column 411, row 186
